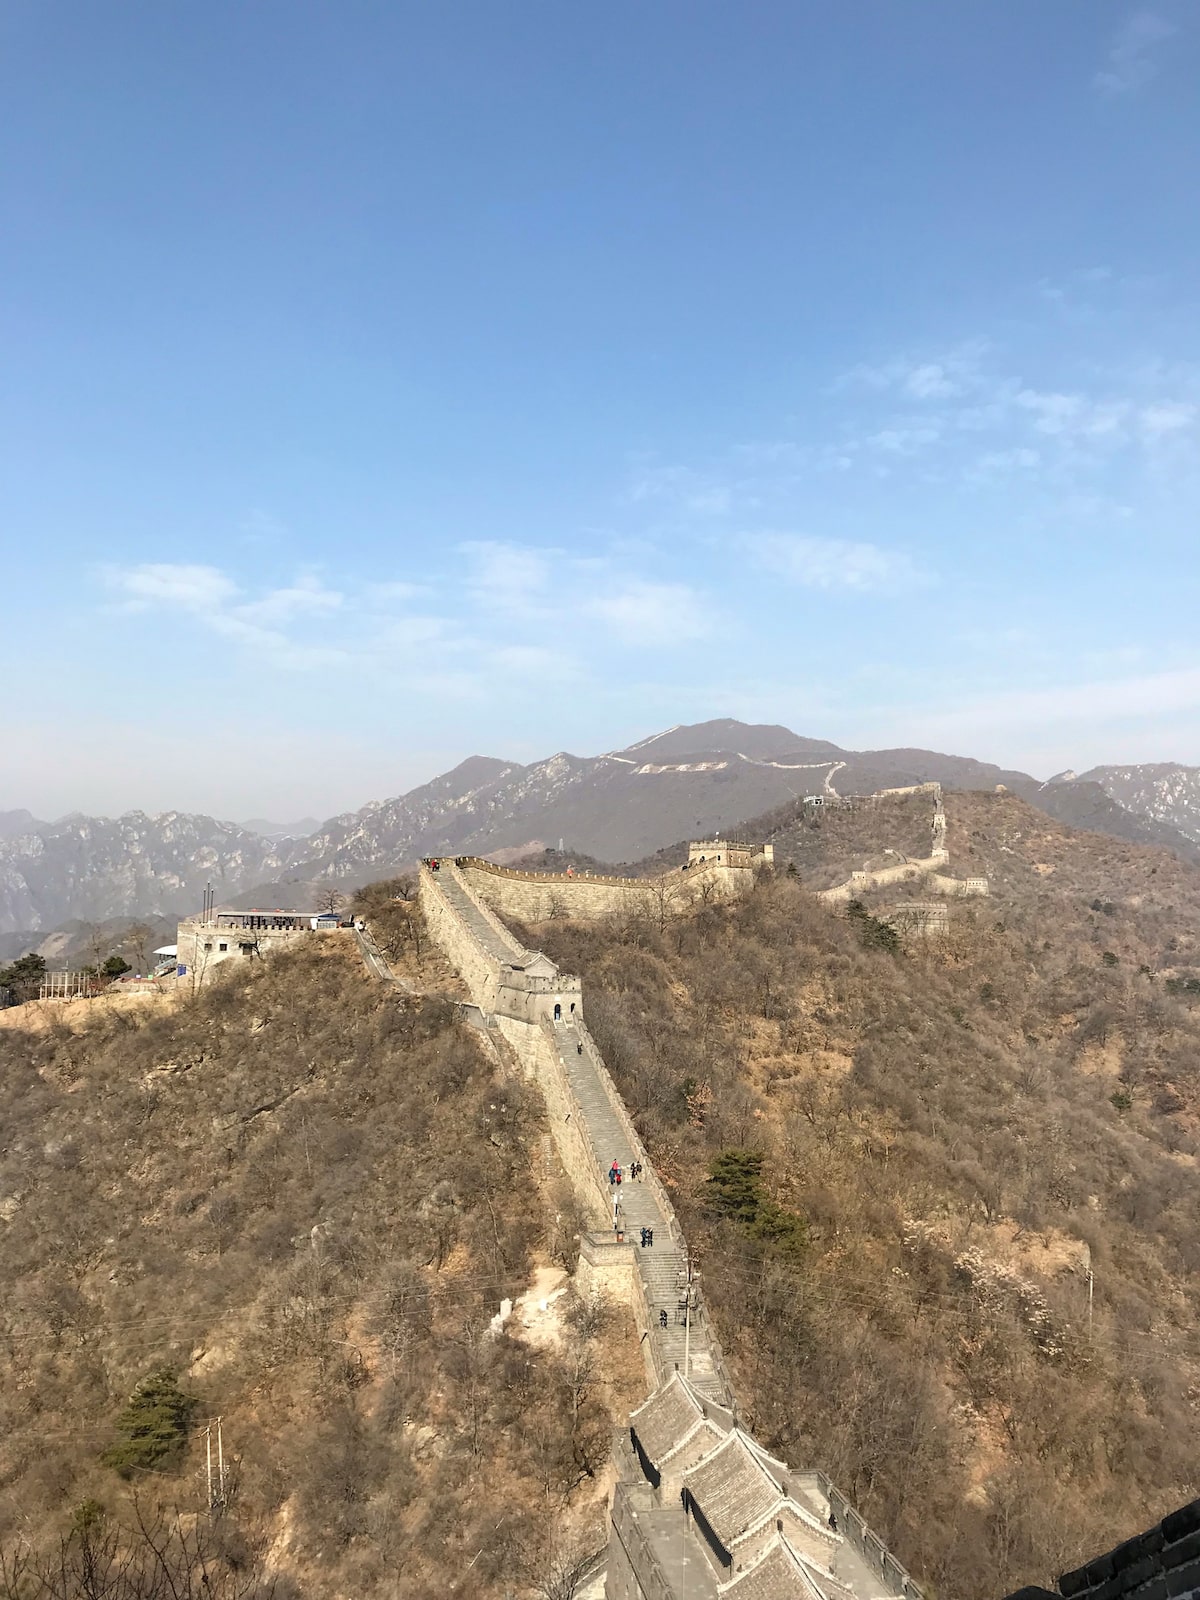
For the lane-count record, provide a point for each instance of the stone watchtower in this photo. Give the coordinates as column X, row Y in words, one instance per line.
column 729, row 853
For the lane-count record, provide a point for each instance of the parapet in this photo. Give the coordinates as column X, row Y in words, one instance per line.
column 728, row 853
column 1163, row 1561
column 696, row 1481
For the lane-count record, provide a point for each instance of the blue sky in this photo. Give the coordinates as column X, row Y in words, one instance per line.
column 387, row 382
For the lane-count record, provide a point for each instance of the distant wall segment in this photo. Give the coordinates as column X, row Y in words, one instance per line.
column 929, row 867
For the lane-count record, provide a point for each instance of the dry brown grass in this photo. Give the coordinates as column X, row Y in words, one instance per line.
column 309, row 1196
column 944, row 1121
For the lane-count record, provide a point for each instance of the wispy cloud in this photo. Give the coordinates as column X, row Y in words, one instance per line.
column 1132, row 60
column 307, row 597
column 832, row 563
column 1173, row 417
column 946, row 375
column 1100, row 701
column 654, row 614
column 212, row 599
column 682, row 489
column 506, row 613
column 993, row 465
column 198, row 589
column 510, row 579
column 989, row 422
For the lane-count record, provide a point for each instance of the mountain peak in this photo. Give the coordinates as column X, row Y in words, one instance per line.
column 760, row 740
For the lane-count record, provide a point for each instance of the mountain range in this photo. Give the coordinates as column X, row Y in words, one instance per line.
column 687, row 782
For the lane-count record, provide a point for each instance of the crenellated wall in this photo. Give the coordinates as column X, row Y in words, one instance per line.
column 544, row 896
column 650, row 1539
column 462, row 947
column 587, row 1131
column 926, row 867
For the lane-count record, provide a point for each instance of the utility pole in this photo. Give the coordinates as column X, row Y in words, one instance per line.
column 687, row 1317
column 687, row 1331
column 218, row 1499
column 1091, row 1292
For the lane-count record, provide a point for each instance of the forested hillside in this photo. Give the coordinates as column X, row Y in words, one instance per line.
column 296, row 1203
column 945, row 1193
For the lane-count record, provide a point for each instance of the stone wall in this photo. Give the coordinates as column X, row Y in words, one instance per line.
column 894, row 1578
column 959, row 887
column 462, row 949
column 634, row 1572
column 485, row 953
column 539, row 1059
column 1162, row 1564
column 858, row 882
column 607, row 1267
column 534, row 1045
column 912, row 788
column 924, row 917
column 543, row 896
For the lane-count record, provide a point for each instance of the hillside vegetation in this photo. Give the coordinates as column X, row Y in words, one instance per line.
column 294, row 1202
column 908, row 1174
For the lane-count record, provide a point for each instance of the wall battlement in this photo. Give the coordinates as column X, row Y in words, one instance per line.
column 584, row 896
column 927, row 867
column 522, row 995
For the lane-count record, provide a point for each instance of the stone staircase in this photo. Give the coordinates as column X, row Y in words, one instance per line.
column 502, row 947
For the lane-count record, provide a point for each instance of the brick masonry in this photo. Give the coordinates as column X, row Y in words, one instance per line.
column 1161, row 1564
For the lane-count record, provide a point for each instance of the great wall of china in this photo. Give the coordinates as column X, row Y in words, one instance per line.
column 700, row 1509
column 716, row 870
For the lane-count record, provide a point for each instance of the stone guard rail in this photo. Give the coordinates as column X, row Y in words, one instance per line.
column 856, row 1532
column 655, row 1184
column 478, row 863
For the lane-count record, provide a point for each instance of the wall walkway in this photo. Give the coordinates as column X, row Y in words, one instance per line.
column 653, row 1553
column 592, row 1129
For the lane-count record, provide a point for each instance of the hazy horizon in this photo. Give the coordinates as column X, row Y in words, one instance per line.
column 387, row 385
column 301, row 809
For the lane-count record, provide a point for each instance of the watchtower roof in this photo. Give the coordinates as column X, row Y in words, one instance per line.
column 733, row 1488
column 536, row 965
column 674, row 1414
column 779, row 1574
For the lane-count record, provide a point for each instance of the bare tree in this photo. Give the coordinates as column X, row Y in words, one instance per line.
column 155, row 1556
column 97, row 944
column 665, row 898
column 560, row 1572
column 137, row 942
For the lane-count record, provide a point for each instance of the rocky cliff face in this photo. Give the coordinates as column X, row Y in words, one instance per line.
column 621, row 806
column 135, row 865
column 1163, row 790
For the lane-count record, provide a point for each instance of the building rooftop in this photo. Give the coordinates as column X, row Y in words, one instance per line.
column 674, row 1414
column 779, row 1574
column 733, row 1488
column 664, row 1421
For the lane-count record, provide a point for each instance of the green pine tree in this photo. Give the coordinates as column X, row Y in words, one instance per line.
column 153, row 1426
